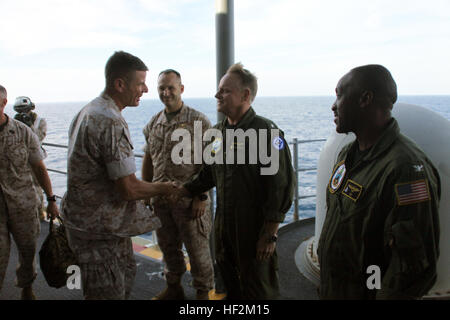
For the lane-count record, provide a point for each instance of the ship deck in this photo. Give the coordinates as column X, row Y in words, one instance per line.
column 149, row 280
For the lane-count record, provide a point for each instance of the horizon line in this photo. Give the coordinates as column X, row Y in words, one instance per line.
column 287, row 96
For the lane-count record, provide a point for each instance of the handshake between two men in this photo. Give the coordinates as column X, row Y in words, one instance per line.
column 173, row 192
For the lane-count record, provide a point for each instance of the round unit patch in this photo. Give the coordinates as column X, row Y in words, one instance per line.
column 278, row 143
column 337, row 178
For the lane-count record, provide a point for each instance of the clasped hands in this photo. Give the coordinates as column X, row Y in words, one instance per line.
column 174, row 191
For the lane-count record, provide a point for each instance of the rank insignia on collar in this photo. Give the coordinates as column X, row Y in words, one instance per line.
column 337, row 177
column 352, row 190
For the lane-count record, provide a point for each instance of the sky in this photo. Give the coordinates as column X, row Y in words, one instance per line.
column 56, row 50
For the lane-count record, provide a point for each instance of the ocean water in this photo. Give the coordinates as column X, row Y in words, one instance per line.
column 304, row 118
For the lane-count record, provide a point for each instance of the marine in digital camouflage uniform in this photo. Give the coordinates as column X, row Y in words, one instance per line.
column 250, row 205
column 100, row 208
column 181, row 224
column 20, row 156
column 382, row 199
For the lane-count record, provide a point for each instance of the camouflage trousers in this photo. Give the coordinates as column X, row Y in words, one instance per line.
column 178, row 228
column 107, row 266
column 41, row 208
column 24, row 228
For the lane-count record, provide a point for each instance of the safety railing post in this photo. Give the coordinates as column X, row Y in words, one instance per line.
column 296, row 195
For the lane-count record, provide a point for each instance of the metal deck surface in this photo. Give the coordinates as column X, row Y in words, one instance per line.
column 149, row 280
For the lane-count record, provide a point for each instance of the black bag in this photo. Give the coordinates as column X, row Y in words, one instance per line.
column 56, row 256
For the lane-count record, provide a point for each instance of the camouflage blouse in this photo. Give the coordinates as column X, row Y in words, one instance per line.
column 19, row 147
column 100, row 152
column 187, row 128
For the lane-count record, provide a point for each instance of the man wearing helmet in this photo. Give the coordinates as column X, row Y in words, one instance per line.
column 24, row 106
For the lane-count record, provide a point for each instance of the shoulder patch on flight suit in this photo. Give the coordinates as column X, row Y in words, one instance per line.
column 352, row 190
column 412, row 192
column 278, row 143
column 337, row 177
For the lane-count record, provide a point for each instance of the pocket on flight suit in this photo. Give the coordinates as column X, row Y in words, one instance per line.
column 409, row 246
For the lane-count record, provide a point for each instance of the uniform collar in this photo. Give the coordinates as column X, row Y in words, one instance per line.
column 245, row 121
column 110, row 101
column 385, row 141
column 162, row 119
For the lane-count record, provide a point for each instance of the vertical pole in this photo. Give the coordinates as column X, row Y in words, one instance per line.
column 224, row 59
column 224, row 40
column 296, row 214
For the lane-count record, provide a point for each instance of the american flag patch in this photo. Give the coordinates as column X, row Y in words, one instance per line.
column 412, row 192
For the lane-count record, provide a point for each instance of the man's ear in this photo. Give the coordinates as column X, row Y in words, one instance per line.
column 119, row 85
column 246, row 95
column 366, row 98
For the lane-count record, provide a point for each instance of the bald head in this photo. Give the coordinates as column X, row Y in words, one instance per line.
column 2, row 92
column 3, row 97
column 3, row 102
column 378, row 80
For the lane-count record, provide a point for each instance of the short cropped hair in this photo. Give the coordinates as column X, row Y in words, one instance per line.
column 120, row 65
column 248, row 79
column 3, row 92
column 167, row 71
column 378, row 79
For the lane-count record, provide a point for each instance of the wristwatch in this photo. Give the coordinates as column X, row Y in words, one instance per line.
column 202, row 197
column 272, row 238
column 51, row 198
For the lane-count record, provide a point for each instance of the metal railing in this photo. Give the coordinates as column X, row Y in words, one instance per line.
column 297, row 170
column 297, row 196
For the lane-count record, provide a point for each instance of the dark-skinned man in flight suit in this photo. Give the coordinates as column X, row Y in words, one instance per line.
column 382, row 200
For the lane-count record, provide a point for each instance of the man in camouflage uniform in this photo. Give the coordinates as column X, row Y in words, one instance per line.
column 250, row 202
column 24, row 107
column 188, row 221
column 100, row 208
column 383, row 197
column 20, row 156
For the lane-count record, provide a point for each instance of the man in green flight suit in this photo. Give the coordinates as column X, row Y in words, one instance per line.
column 380, row 238
column 252, row 199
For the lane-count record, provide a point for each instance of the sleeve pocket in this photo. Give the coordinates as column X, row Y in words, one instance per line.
column 409, row 246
